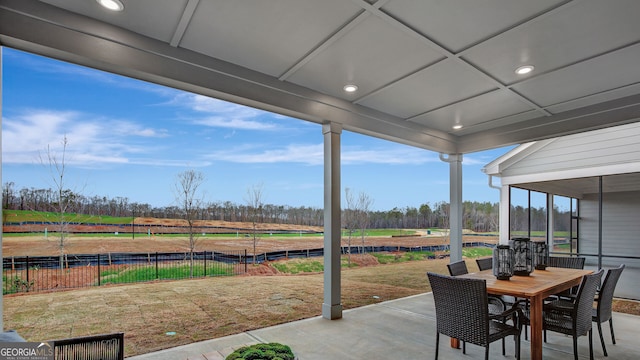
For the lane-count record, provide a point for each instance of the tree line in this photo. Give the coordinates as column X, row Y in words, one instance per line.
column 477, row 216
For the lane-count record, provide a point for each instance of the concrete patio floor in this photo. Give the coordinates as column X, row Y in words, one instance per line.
column 396, row 329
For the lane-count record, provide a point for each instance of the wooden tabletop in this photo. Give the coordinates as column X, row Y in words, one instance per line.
column 550, row 281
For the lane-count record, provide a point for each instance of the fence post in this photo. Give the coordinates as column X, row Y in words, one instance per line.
column 245, row 261
column 157, row 275
column 98, row 269
column 27, row 274
column 205, row 263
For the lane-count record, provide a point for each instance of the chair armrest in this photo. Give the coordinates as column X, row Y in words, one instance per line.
column 564, row 306
column 514, row 313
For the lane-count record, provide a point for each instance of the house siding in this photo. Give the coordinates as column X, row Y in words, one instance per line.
column 616, row 145
column 620, row 236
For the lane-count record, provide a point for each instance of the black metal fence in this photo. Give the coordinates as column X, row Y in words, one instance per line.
column 43, row 273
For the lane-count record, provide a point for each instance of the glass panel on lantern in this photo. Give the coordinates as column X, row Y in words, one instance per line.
column 523, row 256
column 502, row 262
column 540, row 255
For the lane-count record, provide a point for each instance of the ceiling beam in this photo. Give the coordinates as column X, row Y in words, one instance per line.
column 611, row 113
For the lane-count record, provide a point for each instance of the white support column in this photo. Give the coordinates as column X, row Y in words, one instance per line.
column 455, row 205
column 505, row 209
column 331, row 307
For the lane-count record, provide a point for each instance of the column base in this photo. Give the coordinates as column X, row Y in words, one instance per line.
column 332, row 312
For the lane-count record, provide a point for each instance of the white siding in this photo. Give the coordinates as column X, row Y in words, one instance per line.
column 606, row 147
column 620, row 235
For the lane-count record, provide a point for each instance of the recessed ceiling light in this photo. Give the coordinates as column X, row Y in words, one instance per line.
column 457, row 127
column 113, row 5
column 524, row 69
column 350, row 88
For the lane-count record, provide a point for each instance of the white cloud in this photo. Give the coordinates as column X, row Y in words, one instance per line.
column 233, row 122
column 313, row 154
column 223, row 114
column 91, row 142
column 49, row 66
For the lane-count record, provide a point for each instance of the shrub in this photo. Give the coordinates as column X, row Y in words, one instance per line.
column 270, row 351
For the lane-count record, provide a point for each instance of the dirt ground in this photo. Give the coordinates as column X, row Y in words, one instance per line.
column 39, row 245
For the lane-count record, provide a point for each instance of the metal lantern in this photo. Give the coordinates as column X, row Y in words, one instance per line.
column 502, row 262
column 523, row 256
column 540, row 254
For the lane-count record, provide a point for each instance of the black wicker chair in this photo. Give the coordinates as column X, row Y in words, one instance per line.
column 574, row 317
column 496, row 305
column 95, row 347
column 462, row 313
column 604, row 300
column 569, row 294
column 457, row 268
column 567, row 263
column 485, row 263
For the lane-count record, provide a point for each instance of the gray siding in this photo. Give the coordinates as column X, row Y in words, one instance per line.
column 616, row 145
column 620, row 233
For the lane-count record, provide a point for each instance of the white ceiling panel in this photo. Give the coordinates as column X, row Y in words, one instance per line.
column 573, row 33
column 609, row 95
column 457, row 24
column 438, row 85
column 266, row 36
column 590, row 77
column 473, row 112
column 370, row 56
column 156, row 19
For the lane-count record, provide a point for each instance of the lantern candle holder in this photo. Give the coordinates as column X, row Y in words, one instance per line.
column 503, row 262
column 523, row 256
column 540, row 255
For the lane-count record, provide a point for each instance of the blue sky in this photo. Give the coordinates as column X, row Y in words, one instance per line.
column 131, row 139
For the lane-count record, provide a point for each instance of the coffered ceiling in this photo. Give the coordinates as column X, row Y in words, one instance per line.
column 420, row 66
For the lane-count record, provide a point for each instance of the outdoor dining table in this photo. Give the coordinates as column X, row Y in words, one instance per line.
column 536, row 287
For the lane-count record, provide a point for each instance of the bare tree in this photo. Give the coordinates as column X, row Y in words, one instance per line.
column 63, row 197
column 188, row 195
column 356, row 217
column 363, row 206
column 255, row 205
column 442, row 210
column 350, row 220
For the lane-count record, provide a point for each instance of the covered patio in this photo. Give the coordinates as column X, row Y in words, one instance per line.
column 443, row 76
column 396, row 329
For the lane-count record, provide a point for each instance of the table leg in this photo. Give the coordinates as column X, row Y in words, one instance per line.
column 535, row 317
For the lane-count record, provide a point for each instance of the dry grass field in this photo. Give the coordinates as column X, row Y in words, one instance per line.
column 212, row 307
column 204, row 308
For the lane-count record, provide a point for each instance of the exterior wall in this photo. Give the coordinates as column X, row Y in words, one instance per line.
column 620, row 236
column 602, row 148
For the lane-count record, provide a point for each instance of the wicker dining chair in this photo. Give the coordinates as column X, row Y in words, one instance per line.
column 574, row 317
column 485, row 263
column 604, row 300
column 93, row 347
column 567, row 262
column 457, row 268
column 496, row 304
column 462, row 312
